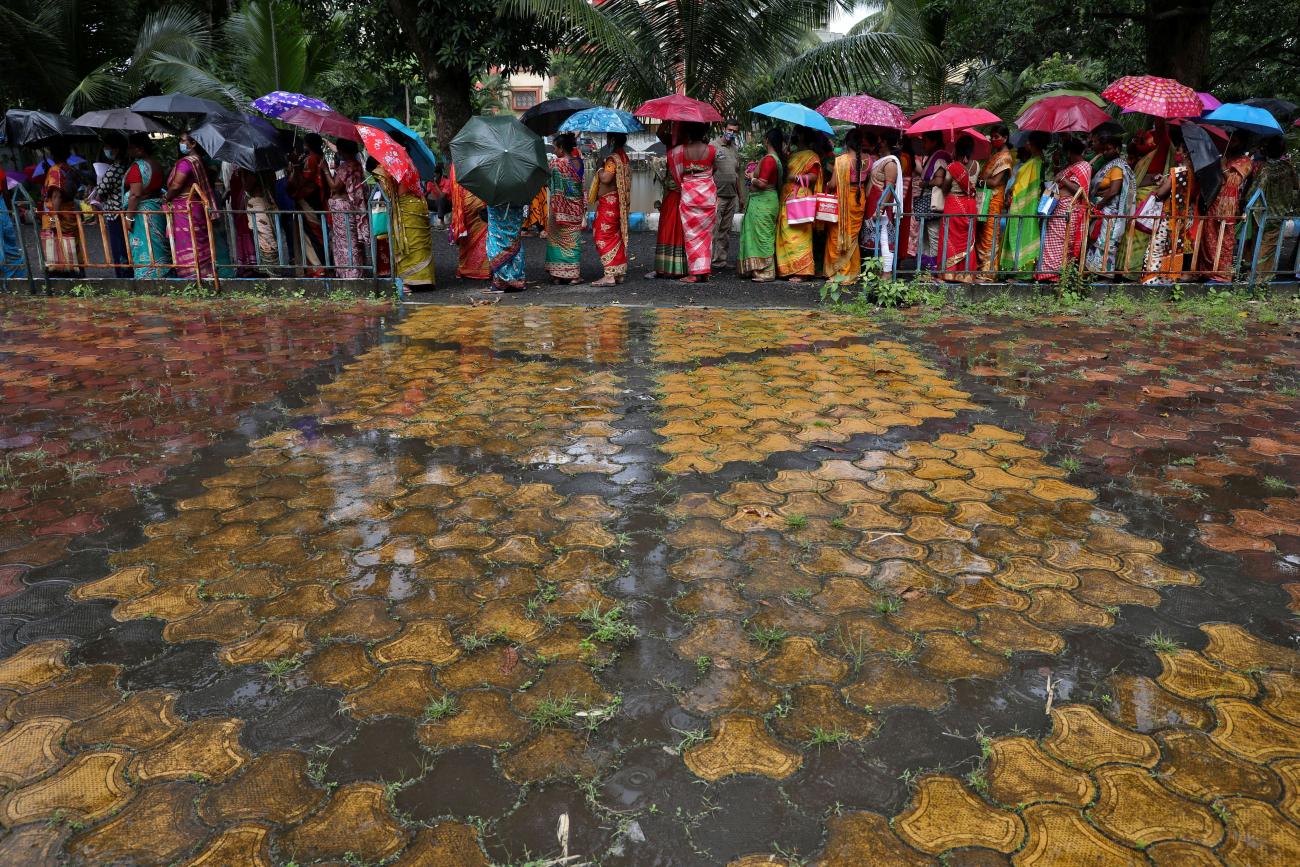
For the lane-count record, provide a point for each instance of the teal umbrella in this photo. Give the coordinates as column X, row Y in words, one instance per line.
column 416, row 149
column 499, row 160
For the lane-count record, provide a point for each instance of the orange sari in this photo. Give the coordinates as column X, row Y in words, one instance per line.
column 469, row 230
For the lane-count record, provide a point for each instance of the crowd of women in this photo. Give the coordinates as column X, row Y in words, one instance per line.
column 196, row 218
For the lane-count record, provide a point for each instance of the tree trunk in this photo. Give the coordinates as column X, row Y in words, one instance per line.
column 449, row 87
column 1178, row 39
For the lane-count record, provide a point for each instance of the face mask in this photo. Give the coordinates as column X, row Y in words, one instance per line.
column 110, row 154
column 997, row 141
column 185, row 148
column 729, row 137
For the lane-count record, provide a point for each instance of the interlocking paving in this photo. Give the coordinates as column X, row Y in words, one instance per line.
column 749, row 587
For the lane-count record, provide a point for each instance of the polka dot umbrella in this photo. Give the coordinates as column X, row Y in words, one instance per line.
column 277, row 102
column 1150, row 94
column 863, row 110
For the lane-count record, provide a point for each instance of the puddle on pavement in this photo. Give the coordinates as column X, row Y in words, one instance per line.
column 710, row 584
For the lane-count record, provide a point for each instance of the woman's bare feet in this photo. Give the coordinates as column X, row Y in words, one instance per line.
column 604, row 281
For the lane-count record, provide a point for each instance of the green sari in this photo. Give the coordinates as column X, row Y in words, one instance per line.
column 758, row 229
column 1021, row 238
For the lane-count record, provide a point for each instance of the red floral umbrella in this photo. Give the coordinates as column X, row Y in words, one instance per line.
column 1150, row 94
column 678, row 107
column 394, row 158
column 1062, row 114
column 934, row 109
column 957, row 117
column 326, row 122
column 863, row 110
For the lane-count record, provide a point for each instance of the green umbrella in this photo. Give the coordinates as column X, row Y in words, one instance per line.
column 499, row 160
column 1062, row 91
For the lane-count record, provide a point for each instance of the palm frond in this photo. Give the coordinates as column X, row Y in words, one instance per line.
column 179, row 75
column 176, row 31
column 104, row 86
column 852, row 63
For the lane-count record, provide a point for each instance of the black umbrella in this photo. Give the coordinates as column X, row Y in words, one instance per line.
column 178, row 103
column 123, row 120
column 235, row 140
column 1205, row 158
column 28, row 128
column 545, row 117
column 1279, row 108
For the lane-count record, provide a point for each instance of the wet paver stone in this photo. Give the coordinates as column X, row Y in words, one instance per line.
column 692, row 586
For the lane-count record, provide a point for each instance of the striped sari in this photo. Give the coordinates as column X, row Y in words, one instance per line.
column 1171, row 239
column 1063, row 239
column 698, row 207
column 794, row 244
column 564, row 219
column 990, row 241
column 1020, row 238
column 1104, row 256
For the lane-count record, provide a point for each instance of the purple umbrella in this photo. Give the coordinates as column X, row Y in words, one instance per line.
column 864, row 110
column 277, row 102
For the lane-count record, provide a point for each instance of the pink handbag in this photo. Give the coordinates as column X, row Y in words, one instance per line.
column 800, row 209
column 828, row 207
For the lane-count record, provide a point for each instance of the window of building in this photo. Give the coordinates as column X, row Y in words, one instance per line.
column 522, row 99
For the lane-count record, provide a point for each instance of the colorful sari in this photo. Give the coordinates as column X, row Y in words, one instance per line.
column 409, row 234
column 536, row 218
column 923, row 208
column 843, row 259
column 1104, row 256
column 1135, row 242
column 505, row 249
column 1219, row 242
column 794, row 244
column 698, row 206
column 11, row 255
column 148, row 237
column 1171, row 238
column 1020, row 238
column 191, row 233
column 908, row 229
column 610, row 232
column 245, row 248
column 469, row 231
column 564, row 219
column 990, row 241
column 350, row 220
column 1063, row 238
column 757, row 256
column 883, row 198
column 60, row 235
column 670, row 243
column 1279, row 196
column 959, row 209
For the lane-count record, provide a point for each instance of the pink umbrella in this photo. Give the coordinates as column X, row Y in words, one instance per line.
column 679, row 107
column 934, row 109
column 957, row 117
column 393, row 156
column 1150, row 94
column 326, row 122
column 1062, row 114
column 1207, row 100
column 863, row 110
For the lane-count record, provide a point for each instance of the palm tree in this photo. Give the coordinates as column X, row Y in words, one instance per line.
column 721, row 51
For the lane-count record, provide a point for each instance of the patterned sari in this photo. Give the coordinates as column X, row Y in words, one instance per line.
column 1020, row 238
column 990, row 242
column 1104, row 255
column 1171, row 238
column 1219, row 242
column 505, row 249
column 794, row 244
column 698, row 207
column 1063, row 239
column 883, row 198
column 843, row 259
column 610, row 231
column 148, row 238
column 670, row 244
column 349, row 220
column 923, row 207
column 564, row 219
column 409, row 234
column 469, row 232
column 1134, row 245
column 758, row 228
column 192, row 234
column 11, row 255
column 959, row 209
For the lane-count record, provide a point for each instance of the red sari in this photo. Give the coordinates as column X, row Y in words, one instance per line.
column 1064, row 233
column 959, row 208
column 1219, row 240
column 469, row 231
column 610, row 229
column 698, row 206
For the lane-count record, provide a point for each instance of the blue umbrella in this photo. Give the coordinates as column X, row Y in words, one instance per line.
column 425, row 160
column 795, row 113
column 601, row 120
column 1246, row 117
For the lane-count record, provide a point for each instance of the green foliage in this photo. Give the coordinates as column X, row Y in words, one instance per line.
column 573, row 76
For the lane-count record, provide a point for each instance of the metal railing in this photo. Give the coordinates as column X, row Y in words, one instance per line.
column 216, row 244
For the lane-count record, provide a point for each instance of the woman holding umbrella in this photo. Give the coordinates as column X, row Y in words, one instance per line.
column 141, row 198
column 107, row 195
column 566, row 212
column 848, row 180
column 189, row 197
column 803, row 177
column 1169, row 239
column 959, row 211
column 691, row 167
column 409, row 235
column 994, row 178
column 349, row 217
column 762, row 213
column 670, row 245
column 59, row 234
column 469, row 232
column 1219, row 240
column 1112, row 193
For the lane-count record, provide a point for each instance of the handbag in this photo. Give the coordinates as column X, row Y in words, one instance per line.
column 985, row 199
column 800, row 210
column 1148, row 214
column 828, row 208
column 936, row 199
column 1047, row 204
column 53, row 244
